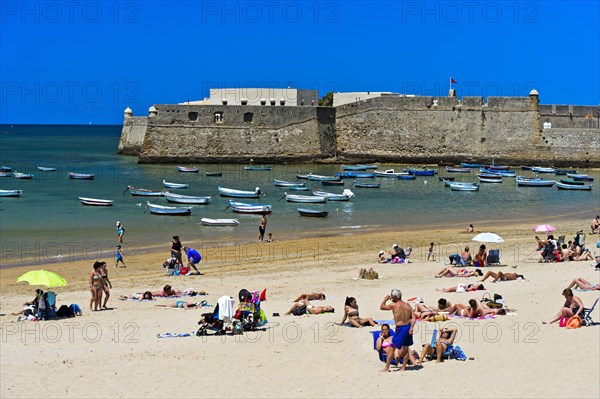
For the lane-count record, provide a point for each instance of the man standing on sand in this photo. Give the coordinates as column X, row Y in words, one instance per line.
column 405, row 320
column 194, row 258
column 262, row 227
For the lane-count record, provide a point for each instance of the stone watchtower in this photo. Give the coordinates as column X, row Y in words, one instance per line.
column 534, row 102
column 128, row 113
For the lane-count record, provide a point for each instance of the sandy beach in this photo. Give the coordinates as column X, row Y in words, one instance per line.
column 116, row 353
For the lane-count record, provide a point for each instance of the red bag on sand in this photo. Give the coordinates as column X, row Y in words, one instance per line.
column 562, row 322
column 183, row 270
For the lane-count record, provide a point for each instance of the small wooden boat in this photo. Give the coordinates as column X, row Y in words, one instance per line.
column 368, row 166
column 283, row 183
column 47, row 169
column 228, row 192
column 80, row 176
column 11, row 193
column 562, row 172
column 301, row 176
column 451, row 169
column 534, row 182
column 299, row 188
column 496, row 167
column 344, row 196
column 332, row 182
column 524, row 167
column 499, row 172
column 175, row 185
column 449, row 183
column 312, row 213
column 321, row 177
column 390, row 173
column 187, row 199
column 444, row 178
column 563, row 186
column 540, row 169
column 572, row 182
column 258, row 167
column 471, row 165
column 219, row 222
column 313, row 199
column 355, row 175
column 483, row 179
column 213, row 174
column 169, row 210
column 463, row 187
column 253, row 209
column 5, row 168
column 354, row 167
column 366, row 185
column 6, row 174
column 23, row 176
column 95, row 201
column 183, row 169
column 580, row 177
column 142, row 192
column 421, row 172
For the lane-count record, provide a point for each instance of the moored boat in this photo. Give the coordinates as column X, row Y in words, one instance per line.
column 572, row 182
column 313, row 199
column 354, row 167
column 213, row 174
column 496, row 167
column 228, row 192
column 471, row 165
column 11, row 193
column 354, row 175
column 23, row 176
column 5, row 168
column 390, row 173
column 142, row 192
column 320, row 177
column 366, row 185
column 6, row 174
column 80, row 176
column 344, row 196
column 187, row 199
column 525, row 167
column 219, row 222
column 312, row 213
column 284, row 183
column 257, row 167
column 500, row 172
column 95, row 201
column 169, row 210
column 534, row 182
column 449, row 183
column 253, row 209
column 301, row 176
column 562, row 172
column 464, row 187
column 183, row 169
column 451, row 169
column 583, row 187
column 47, row 169
column 175, row 185
column 483, row 179
column 540, row 169
column 332, row 182
column 421, row 172
column 299, row 188
column 580, row 177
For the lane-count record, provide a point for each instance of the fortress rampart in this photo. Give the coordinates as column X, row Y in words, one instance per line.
column 389, row 128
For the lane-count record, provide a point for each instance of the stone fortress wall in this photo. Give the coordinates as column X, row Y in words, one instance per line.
column 390, row 128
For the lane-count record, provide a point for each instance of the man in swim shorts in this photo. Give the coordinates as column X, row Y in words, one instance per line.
column 405, row 320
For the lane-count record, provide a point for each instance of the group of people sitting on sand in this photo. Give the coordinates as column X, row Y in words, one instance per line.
column 551, row 250
column 465, row 258
column 396, row 255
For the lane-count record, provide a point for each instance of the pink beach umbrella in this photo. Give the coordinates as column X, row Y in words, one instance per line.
column 544, row 228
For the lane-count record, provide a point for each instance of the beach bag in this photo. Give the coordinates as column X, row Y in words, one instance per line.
column 458, row 353
column 183, row 270
column 574, row 322
column 562, row 322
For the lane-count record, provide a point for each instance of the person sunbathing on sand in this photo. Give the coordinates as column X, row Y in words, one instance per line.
column 583, row 284
column 573, row 306
column 463, row 288
column 456, row 272
column 351, row 313
column 146, row 296
column 168, row 291
column 304, row 306
column 445, row 338
column 181, row 305
column 585, row 255
column 502, row 276
column 473, row 311
column 313, row 296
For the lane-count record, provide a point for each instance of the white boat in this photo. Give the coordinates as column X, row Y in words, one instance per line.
column 80, row 176
column 563, row 186
column 175, row 185
column 219, row 222
column 169, row 210
column 540, row 169
column 283, row 183
column 229, row 192
column 449, row 183
column 253, row 209
column 24, row 176
column 6, row 174
column 489, row 179
column 187, row 170
column 464, row 187
column 46, row 169
column 390, row 173
column 187, row 199
column 314, row 199
column 142, row 192
column 95, row 201
column 534, row 182
column 344, row 196
column 321, row 177
column 11, row 193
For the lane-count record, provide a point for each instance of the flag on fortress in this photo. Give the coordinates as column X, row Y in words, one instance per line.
column 452, row 80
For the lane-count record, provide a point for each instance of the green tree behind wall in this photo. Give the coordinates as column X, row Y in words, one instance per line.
column 326, row 100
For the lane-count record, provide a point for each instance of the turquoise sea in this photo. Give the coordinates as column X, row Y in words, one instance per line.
column 48, row 222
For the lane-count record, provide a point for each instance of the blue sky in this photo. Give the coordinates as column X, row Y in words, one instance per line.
column 85, row 61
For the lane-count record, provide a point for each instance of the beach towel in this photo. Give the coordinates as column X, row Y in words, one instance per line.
column 488, row 317
column 226, row 307
column 175, row 335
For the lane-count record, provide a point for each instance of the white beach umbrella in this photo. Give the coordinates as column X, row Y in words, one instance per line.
column 487, row 237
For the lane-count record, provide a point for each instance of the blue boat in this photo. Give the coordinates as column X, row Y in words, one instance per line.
column 258, row 167
column 580, row 177
column 407, row 177
column 421, row 172
column 562, row 172
column 504, row 173
column 354, row 175
column 471, row 165
column 312, row 213
column 354, row 167
column 332, row 182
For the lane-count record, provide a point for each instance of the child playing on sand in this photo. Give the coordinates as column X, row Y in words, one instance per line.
column 119, row 256
column 430, row 253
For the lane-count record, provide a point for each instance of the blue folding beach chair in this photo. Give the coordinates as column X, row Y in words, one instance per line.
column 382, row 354
column 586, row 313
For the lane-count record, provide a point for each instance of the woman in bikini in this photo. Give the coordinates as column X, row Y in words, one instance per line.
column 481, row 257
column 473, row 311
column 466, row 257
column 573, row 306
column 456, row 272
column 96, row 287
column 502, row 276
column 313, row 296
column 106, row 284
column 180, row 305
column 351, row 313
column 444, row 339
column 583, row 284
column 463, row 288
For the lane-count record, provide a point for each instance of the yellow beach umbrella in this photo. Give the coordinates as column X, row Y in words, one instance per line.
column 43, row 277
